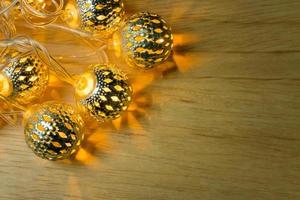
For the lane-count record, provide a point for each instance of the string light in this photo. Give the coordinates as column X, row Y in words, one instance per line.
column 144, row 40
column 103, row 91
column 54, row 130
column 93, row 16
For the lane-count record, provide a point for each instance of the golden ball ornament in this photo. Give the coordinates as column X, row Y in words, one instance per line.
column 146, row 40
column 94, row 16
column 53, row 130
column 103, row 92
column 24, row 79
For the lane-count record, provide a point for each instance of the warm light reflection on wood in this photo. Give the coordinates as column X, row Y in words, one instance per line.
column 181, row 39
column 96, row 142
column 73, row 188
column 184, row 62
column 84, row 156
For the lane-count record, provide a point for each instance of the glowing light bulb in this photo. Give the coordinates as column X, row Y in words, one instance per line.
column 71, row 15
column 146, row 40
column 106, row 92
column 94, row 16
column 53, row 130
column 24, row 79
column 5, row 85
column 85, row 84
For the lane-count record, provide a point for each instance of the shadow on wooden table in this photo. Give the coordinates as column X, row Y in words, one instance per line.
column 98, row 137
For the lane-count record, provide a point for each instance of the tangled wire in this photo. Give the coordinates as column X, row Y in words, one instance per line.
column 31, row 10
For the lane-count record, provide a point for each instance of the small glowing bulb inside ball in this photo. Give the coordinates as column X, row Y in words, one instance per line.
column 24, row 79
column 53, row 131
column 103, row 92
column 146, row 40
column 94, row 16
column 85, row 84
column 5, row 85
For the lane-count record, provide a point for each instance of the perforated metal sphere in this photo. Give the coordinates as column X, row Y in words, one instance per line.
column 146, row 40
column 99, row 15
column 28, row 78
column 109, row 93
column 53, row 130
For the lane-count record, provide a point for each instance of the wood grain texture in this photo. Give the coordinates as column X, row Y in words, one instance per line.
column 224, row 123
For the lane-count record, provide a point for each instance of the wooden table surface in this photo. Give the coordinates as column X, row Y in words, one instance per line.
column 220, row 120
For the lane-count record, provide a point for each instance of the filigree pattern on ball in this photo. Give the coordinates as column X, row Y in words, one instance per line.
column 99, row 15
column 111, row 95
column 54, row 130
column 146, row 40
column 28, row 76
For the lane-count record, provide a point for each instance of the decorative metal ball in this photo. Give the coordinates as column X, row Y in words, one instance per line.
column 99, row 15
column 104, row 92
column 146, row 40
column 53, row 130
column 28, row 78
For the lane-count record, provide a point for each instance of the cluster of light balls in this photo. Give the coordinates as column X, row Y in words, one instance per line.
column 55, row 130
